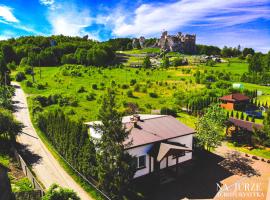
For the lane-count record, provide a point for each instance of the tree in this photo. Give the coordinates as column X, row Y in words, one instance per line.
column 147, row 62
column 247, row 51
column 255, row 64
column 165, row 62
column 210, row 126
column 4, row 72
column 9, row 127
column 116, row 167
column 56, row 192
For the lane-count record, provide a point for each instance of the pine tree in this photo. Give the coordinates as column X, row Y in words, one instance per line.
column 247, row 118
column 232, row 114
column 116, row 167
column 228, row 115
column 253, row 119
column 237, row 115
column 242, row 116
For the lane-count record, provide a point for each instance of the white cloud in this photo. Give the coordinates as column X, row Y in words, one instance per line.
column 7, row 15
column 151, row 19
column 46, row 2
column 71, row 21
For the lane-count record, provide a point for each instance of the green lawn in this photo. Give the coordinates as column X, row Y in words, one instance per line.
column 141, row 51
column 264, row 153
column 187, row 119
column 233, row 67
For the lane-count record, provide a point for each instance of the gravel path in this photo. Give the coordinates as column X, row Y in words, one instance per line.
column 46, row 167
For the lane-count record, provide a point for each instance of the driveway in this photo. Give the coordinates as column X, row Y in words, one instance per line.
column 43, row 164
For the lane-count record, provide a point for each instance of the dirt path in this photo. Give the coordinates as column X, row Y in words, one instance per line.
column 46, row 167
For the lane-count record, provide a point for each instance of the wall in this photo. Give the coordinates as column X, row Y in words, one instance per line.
column 140, row 151
column 227, row 106
column 143, row 150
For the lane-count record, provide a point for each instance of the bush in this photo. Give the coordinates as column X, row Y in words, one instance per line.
column 125, row 86
column 133, row 82
column 168, row 111
column 129, row 93
column 153, row 95
column 94, row 87
column 28, row 70
column 91, row 96
column 40, row 87
column 20, row 76
column 29, row 84
column 56, row 192
column 137, row 88
column 82, row 90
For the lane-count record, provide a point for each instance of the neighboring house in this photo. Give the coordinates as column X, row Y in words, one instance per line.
column 235, row 101
column 242, row 130
column 158, row 141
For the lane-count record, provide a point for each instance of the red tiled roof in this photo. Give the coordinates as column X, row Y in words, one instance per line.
column 245, row 124
column 235, row 97
column 156, row 129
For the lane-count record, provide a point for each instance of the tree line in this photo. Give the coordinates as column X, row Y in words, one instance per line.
column 56, row 50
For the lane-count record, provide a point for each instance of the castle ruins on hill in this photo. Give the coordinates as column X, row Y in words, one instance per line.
column 180, row 42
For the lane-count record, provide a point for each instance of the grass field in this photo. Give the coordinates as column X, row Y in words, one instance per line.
column 161, row 82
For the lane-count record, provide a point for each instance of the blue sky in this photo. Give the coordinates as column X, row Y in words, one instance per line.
column 215, row 22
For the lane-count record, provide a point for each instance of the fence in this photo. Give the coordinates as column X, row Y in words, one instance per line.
column 39, row 189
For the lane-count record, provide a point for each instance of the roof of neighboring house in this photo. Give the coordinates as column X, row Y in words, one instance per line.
column 152, row 128
column 245, row 124
column 235, row 97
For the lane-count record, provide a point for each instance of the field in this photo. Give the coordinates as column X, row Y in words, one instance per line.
column 68, row 80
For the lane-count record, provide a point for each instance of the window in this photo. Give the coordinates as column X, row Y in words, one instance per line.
column 179, row 155
column 141, row 162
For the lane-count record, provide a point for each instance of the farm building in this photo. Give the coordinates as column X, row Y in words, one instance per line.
column 235, row 101
column 157, row 141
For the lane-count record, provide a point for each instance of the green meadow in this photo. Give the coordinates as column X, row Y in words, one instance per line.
column 149, row 89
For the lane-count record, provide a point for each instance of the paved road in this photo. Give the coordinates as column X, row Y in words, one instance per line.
column 47, row 169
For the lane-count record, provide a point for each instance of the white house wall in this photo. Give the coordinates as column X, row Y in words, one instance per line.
column 143, row 150
column 140, row 151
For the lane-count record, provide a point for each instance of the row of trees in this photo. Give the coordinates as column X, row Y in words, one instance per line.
column 225, row 51
column 55, row 50
column 104, row 160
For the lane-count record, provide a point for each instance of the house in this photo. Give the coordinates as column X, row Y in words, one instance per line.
column 235, row 101
column 157, row 141
column 241, row 130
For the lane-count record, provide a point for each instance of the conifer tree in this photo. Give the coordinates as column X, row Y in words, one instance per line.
column 237, row 115
column 116, row 167
column 242, row 116
column 247, row 118
column 232, row 114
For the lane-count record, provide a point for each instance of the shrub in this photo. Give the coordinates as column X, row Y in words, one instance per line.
column 91, row 96
column 168, row 111
column 94, row 87
column 137, row 88
column 153, row 95
column 129, row 93
column 20, row 76
column 40, row 86
column 82, row 90
column 28, row 70
column 133, row 82
column 29, row 84
column 125, row 86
